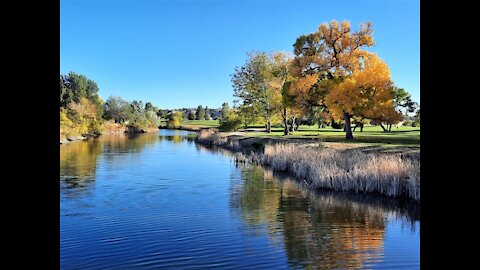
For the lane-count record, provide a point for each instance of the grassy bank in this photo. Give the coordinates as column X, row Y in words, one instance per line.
column 371, row 135
column 198, row 124
column 192, row 125
column 205, row 123
column 338, row 168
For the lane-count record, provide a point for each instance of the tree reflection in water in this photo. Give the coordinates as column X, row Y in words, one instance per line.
column 78, row 160
column 323, row 230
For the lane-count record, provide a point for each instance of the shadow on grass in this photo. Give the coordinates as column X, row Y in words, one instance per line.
column 376, row 139
column 402, row 131
column 320, row 130
column 404, row 141
column 393, row 132
column 394, row 137
column 406, row 150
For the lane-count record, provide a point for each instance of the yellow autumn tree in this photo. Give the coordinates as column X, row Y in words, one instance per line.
column 325, row 58
column 84, row 117
column 366, row 93
column 299, row 89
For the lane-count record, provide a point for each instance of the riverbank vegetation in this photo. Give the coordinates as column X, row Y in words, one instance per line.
column 83, row 113
column 354, row 169
column 174, row 120
column 390, row 174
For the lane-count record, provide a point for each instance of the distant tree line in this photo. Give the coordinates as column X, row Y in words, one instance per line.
column 199, row 113
column 83, row 112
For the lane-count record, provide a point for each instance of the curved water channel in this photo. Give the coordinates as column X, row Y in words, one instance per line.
column 161, row 201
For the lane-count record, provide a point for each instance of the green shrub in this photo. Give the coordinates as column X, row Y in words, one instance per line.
column 174, row 120
column 231, row 122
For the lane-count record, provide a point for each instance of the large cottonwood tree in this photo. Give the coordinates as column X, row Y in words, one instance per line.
column 325, row 58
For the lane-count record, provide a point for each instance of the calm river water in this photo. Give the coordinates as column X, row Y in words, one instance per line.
column 160, row 201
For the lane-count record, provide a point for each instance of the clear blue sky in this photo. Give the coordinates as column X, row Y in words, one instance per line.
column 181, row 53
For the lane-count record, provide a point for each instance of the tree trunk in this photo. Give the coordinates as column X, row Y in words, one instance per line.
column 285, row 123
column 384, row 129
column 390, row 127
column 293, row 123
column 348, row 127
column 269, row 126
column 355, row 127
column 361, row 127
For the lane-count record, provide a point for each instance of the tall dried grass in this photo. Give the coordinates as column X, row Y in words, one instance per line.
column 391, row 174
column 210, row 137
column 110, row 127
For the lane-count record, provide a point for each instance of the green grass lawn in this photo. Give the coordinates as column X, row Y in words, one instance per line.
column 206, row 123
column 406, row 136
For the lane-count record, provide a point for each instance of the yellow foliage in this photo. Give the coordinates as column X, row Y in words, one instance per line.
column 366, row 92
column 65, row 122
column 175, row 119
column 80, row 118
column 299, row 89
column 344, row 46
column 325, row 58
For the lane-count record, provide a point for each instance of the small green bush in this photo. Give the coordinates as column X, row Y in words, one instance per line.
column 231, row 122
column 174, row 120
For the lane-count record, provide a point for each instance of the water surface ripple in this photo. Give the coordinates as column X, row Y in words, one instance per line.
column 160, row 201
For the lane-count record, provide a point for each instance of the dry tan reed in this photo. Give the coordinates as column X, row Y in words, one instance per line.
column 210, row 137
column 391, row 174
